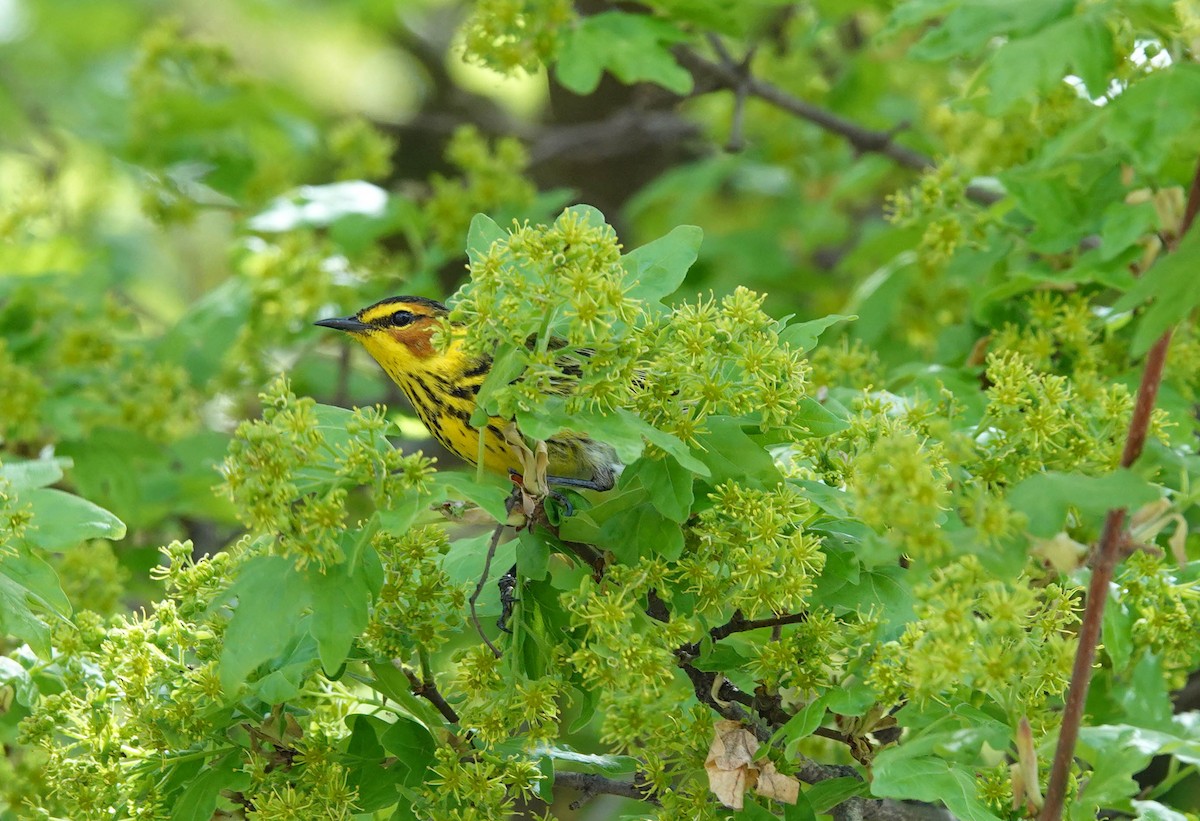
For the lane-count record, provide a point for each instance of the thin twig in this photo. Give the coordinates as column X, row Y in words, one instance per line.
column 737, row 139
column 487, row 569
column 737, row 624
column 863, row 139
column 1105, row 561
column 591, row 784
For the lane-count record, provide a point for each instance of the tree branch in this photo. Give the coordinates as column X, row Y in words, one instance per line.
column 1106, row 557
column 427, row 689
column 738, row 624
column 487, row 568
column 591, row 784
column 865, row 140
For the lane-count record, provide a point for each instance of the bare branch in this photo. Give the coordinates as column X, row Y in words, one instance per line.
column 591, row 784
column 737, row 624
column 483, row 577
column 863, row 139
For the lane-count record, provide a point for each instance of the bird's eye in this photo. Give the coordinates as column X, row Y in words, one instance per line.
column 400, row 319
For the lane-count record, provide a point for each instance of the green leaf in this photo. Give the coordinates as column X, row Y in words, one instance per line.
column 1046, row 498
column 1154, row 811
column 825, row 795
column 1184, row 744
column 1032, row 65
column 1116, row 753
column 13, row 675
column 928, row 768
column 800, row 811
column 1156, row 118
column 1144, row 695
column 1118, row 632
column 801, row 725
column 202, row 337
column 1173, row 285
column 1125, row 225
column 642, row 532
column 753, row 811
column 463, row 564
column 728, row 452
column 32, row 572
column 885, row 590
column 1065, row 198
column 376, row 784
column 657, row 269
column 199, row 799
column 533, row 558
column 624, row 430
column 17, row 617
column 633, row 47
column 506, row 366
column 668, row 483
column 817, row 420
column 33, row 474
column 413, row 747
column 340, row 600
column 973, row 24
column 61, row 520
column 270, row 595
column 483, row 232
column 490, row 494
column 803, row 335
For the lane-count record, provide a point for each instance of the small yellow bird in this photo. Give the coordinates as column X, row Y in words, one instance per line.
column 442, row 388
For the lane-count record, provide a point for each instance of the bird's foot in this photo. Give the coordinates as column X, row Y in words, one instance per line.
column 508, row 585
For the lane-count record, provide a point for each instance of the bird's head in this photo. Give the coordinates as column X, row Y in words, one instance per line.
column 394, row 330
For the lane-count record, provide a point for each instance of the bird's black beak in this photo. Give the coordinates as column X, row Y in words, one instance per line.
column 348, row 324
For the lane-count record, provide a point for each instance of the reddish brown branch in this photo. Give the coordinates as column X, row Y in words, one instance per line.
column 1105, row 560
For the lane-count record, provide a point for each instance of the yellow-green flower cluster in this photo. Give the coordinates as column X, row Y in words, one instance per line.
column 901, row 490
column 1012, row 642
column 811, row 657
column 554, row 300
column 563, row 283
column 492, row 180
column 845, row 364
column 1037, row 421
column 418, row 605
column 717, row 358
column 506, row 35
column 629, row 660
column 20, row 401
column 752, row 553
column 14, row 519
column 142, row 695
column 275, row 479
column 1166, row 609
column 503, row 703
column 361, row 151
column 477, row 787
column 261, row 474
column 92, row 577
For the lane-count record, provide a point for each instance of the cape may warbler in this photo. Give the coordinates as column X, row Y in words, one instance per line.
column 442, row 389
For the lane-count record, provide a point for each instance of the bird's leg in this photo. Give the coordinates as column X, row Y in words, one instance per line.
column 507, row 584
